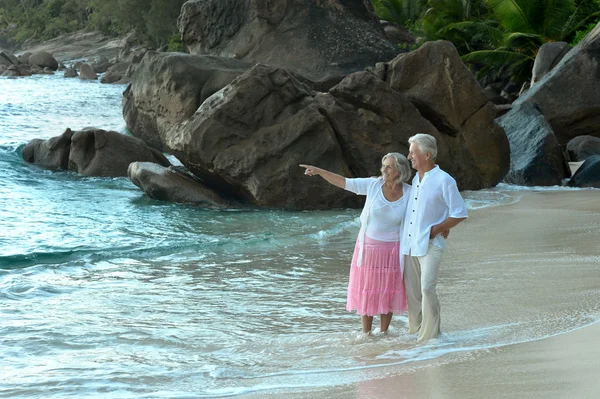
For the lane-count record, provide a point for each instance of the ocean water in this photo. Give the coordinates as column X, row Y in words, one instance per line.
column 107, row 293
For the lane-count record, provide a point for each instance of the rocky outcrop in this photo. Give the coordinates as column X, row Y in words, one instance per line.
column 98, row 152
column 588, row 174
column 548, row 56
column 93, row 152
column 86, row 72
column 7, row 58
column 171, row 184
column 100, row 64
column 438, row 83
column 71, row 73
column 535, row 155
column 110, row 77
column 568, row 95
column 43, row 59
column 370, row 119
column 168, row 88
column 582, row 147
column 50, row 154
column 246, row 140
column 317, row 39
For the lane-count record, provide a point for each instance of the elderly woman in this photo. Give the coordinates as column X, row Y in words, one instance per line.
column 376, row 285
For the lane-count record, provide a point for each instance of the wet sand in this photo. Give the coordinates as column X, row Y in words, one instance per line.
column 563, row 366
column 539, row 256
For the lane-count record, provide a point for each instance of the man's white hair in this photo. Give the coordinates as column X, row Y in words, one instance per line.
column 401, row 164
column 426, row 142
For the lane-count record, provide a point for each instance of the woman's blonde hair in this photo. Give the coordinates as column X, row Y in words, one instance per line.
column 401, row 164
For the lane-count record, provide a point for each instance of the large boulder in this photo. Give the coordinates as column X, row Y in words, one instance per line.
column 50, row 154
column 97, row 152
column 24, row 58
column 548, row 56
column 171, row 184
column 7, row 58
column 370, row 119
column 111, row 77
column 441, row 87
column 43, row 60
column 86, row 72
column 70, row 73
column 168, row 88
column 582, row 147
column 568, row 95
column 100, row 64
column 315, row 38
column 535, row 154
column 438, row 82
column 588, row 174
column 248, row 139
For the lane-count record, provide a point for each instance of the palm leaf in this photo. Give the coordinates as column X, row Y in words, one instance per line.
column 478, row 31
column 496, row 58
column 529, row 42
column 554, row 14
column 569, row 30
column 513, row 14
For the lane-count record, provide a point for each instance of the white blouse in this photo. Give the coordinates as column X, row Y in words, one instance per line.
column 380, row 219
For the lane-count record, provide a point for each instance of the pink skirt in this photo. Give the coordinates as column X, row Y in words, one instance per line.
column 377, row 286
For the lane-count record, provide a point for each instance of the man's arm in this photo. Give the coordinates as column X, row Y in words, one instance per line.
column 446, row 225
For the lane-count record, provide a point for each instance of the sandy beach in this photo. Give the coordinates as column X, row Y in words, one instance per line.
column 539, row 255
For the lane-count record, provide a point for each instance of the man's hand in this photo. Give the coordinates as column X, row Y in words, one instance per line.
column 435, row 230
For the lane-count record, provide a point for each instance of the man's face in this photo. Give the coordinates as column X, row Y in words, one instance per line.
column 418, row 159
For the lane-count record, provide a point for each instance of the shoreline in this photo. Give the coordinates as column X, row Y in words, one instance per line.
column 559, row 366
column 521, row 275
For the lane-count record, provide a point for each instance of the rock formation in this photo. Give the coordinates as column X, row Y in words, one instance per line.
column 318, row 39
column 247, row 139
column 92, row 152
column 171, row 184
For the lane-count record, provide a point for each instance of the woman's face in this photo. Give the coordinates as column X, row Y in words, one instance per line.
column 389, row 171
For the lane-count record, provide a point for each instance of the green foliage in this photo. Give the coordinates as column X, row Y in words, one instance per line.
column 509, row 40
column 580, row 34
column 176, row 45
column 153, row 20
column 401, row 12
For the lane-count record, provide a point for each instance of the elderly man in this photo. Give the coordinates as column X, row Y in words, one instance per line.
column 435, row 205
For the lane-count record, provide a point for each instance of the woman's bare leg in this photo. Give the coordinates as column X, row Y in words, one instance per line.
column 386, row 319
column 367, row 323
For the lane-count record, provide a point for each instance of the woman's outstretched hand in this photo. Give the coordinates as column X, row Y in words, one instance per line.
column 310, row 170
column 332, row 178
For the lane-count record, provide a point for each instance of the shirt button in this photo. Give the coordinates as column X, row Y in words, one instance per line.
column 415, row 197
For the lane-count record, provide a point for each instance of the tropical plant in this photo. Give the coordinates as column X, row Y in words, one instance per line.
column 580, row 34
column 518, row 30
column 441, row 14
column 401, row 12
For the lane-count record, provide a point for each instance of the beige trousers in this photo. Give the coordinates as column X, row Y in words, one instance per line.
column 420, row 278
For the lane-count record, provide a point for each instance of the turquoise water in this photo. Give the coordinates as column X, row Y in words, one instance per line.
column 107, row 293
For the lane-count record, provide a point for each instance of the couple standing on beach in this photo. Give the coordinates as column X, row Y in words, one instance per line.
column 402, row 237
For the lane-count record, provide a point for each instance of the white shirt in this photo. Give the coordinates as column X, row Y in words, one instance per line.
column 385, row 218
column 376, row 208
column 432, row 200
